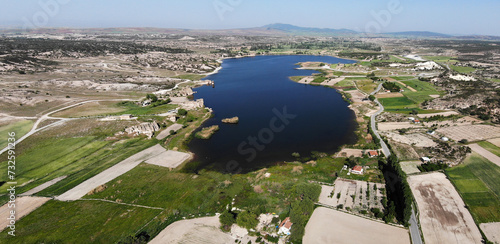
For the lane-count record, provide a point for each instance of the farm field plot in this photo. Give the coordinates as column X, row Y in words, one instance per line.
column 91, row 109
column 478, row 182
column 443, row 216
column 410, row 167
column 385, row 126
column 201, row 230
column 495, row 141
column 490, row 147
column 24, row 206
column 330, row 226
column 492, row 231
column 20, row 128
column 80, row 222
column 353, row 194
column 471, row 132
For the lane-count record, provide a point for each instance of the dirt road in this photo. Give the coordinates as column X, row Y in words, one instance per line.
column 485, row 153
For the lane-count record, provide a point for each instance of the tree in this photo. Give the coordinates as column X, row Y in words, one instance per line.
column 414, row 112
column 152, row 97
column 182, row 112
column 372, row 97
column 226, row 220
column 247, row 220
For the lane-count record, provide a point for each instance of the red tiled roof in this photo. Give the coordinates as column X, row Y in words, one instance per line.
column 373, row 153
column 357, row 168
column 287, row 223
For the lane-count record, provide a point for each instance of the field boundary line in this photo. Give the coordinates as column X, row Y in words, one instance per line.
column 121, row 203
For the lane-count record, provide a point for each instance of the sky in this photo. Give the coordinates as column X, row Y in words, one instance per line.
column 444, row 16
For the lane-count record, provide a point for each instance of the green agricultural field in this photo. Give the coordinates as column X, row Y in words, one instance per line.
column 478, row 182
column 78, row 158
column 319, row 79
column 80, row 222
column 20, row 128
column 134, row 109
column 440, row 59
column 490, row 147
column 366, row 85
column 464, row 70
column 193, row 77
column 345, row 83
column 394, row 103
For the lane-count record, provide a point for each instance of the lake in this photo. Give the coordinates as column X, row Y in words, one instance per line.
column 278, row 117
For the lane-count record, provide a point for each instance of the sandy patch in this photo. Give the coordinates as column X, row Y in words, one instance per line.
column 416, row 139
column 357, row 96
column 43, row 186
column 346, row 152
column 492, row 231
column 169, row 159
column 202, row 230
column 385, row 126
column 306, row 80
column 330, row 226
column 104, row 177
column 485, row 153
column 443, row 216
column 24, row 206
column 435, row 96
column 410, row 167
column 434, row 114
column 166, row 132
column 471, row 132
column 389, row 95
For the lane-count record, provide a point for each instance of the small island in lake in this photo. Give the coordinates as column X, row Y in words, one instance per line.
column 233, row 120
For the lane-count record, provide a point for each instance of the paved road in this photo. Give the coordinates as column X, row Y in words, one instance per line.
column 373, row 124
column 414, row 228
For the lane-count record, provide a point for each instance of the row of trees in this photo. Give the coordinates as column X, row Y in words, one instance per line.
column 399, row 195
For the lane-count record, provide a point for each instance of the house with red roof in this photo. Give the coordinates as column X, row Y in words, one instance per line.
column 357, row 170
column 285, row 227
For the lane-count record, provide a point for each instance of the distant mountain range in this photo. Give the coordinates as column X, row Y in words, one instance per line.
column 267, row 30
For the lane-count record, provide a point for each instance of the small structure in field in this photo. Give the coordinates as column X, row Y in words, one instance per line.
column 233, row 120
column 372, row 154
column 357, row 170
column 425, row 159
column 285, row 227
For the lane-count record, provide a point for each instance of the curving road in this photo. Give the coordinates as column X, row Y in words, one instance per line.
column 46, row 116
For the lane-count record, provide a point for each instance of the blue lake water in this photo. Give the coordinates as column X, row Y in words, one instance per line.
column 277, row 116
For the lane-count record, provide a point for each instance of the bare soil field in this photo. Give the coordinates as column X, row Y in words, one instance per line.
column 346, row 152
column 357, row 96
column 202, row 230
column 404, row 151
column 434, row 114
column 389, row 95
column 485, row 153
column 333, row 82
column 410, row 167
column 104, row 177
column 471, row 132
column 467, row 120
column 169, row 159
column 24, row 206
column 306, row 80
column 415, row 139
column 492, row 231
column 385, row 126
column 328, row 226
column 443, row 216
column 352, row 194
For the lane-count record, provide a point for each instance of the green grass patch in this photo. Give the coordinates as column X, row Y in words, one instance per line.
column 463, row 70
column 397, row 103
column 441, row 59
column 478, row 182
column 80, row 222
column 193, row 77
column 366, row 85
column 319, row 79
column 495, row 80
column 296, row 78
column 20, row 128
column 490, row 147
column 136, row 110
